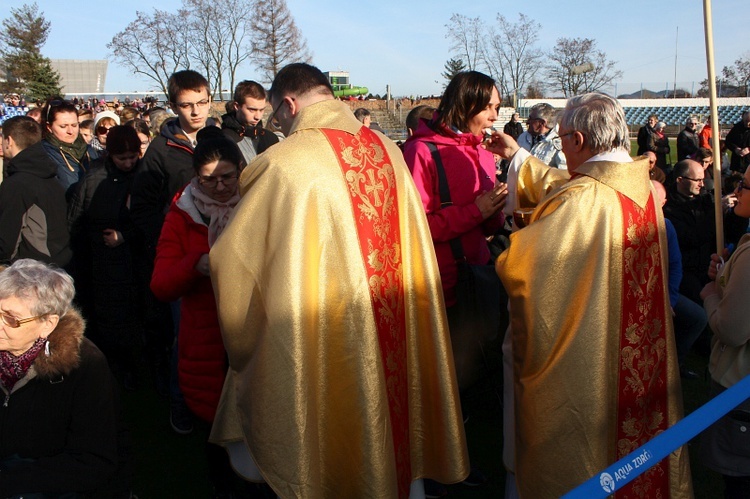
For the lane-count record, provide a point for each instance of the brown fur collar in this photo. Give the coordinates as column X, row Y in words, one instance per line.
column 64, row 347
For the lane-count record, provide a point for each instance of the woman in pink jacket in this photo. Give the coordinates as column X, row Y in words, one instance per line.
column 460, row 226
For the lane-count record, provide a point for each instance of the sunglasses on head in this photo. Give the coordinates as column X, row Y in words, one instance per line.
column 51, row 104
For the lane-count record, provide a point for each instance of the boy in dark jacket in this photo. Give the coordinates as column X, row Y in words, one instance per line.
column 33, row 209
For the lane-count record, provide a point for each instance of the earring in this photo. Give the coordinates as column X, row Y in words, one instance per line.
column 46, row 348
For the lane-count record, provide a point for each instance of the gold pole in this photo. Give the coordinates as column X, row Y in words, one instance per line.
column 718, row 214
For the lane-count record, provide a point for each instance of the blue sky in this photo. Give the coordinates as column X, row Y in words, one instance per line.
column 402, row 43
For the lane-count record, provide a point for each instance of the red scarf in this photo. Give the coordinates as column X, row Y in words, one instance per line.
column 14, row 368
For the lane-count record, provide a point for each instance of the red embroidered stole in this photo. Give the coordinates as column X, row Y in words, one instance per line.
column 642, row 386
column 370, row 178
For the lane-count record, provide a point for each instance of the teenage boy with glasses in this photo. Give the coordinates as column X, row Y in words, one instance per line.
column 167, row 167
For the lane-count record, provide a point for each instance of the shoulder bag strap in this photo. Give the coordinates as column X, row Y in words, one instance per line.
column 445, row 197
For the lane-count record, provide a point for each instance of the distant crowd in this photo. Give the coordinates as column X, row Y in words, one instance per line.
column 354, row 284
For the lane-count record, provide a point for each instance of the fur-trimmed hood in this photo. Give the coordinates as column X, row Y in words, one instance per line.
column 64, row 347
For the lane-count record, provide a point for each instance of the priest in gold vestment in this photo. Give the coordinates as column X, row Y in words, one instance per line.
column 341, row 380
column 595, row 371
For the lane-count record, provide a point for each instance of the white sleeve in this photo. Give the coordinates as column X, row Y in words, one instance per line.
column 515, row 163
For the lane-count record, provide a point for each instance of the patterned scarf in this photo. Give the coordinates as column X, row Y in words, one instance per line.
column 218, row 213
column 14, row 368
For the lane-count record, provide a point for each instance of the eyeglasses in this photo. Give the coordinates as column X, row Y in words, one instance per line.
column 211, row 182
column 103, row 129
column 531, row 120
column 698, row 180
column 11, row 321
column 271, row 121
column 566, row 134
column 741, row 185
column 192, row 105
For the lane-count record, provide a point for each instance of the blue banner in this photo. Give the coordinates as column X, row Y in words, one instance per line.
column 11, row 111
column 631, row 466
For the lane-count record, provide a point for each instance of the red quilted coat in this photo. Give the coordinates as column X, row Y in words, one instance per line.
column 202, row 359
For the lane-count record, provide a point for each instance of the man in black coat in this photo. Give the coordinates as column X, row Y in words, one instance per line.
column 691, row 211
column 33, row 209
column 513, row 128
column 738, row 141
column 687, row 140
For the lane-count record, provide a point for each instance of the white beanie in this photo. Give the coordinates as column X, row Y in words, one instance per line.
column 106, row 114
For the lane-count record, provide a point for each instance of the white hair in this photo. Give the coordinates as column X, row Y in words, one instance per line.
column 600, row 119
column 49, row 288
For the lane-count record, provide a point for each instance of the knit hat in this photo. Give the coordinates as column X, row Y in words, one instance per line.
column 106, row 114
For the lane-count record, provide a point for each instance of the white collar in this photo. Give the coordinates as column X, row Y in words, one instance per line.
column 616, row 155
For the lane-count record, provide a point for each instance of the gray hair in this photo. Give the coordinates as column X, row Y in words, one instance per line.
column 157, row 117
column 50, row 289
column 545, row 112
column 600, row 119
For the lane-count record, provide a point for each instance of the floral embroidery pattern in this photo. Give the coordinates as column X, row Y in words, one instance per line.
column 371, row 182
column 642, row 404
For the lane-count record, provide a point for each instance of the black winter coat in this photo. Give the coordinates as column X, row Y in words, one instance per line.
column 101, row 202
column 738, row 138
column 693, row 220
column 59, row 428
column 166, row 168
column 32, row 210
column 262, row 139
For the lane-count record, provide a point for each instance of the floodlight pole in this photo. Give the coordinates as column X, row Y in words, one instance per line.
column 718, row 213
column 676, row 36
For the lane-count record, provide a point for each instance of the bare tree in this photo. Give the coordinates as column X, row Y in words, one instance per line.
column 220, row 39
column 214, row 36
column 734, row 80
column 154, row 46
column 535, row 89
column 576, row 67
column 467, row 39
column 276, row 39
column 511, row 53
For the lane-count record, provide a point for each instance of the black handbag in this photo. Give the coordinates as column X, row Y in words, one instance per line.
column 474, row 320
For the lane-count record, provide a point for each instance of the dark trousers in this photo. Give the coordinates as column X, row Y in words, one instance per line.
column 689, row 321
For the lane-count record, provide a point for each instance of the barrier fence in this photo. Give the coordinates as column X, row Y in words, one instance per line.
column 619, row 474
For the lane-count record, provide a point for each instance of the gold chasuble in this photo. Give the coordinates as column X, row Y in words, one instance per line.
column 341, row 380
column 595, row 366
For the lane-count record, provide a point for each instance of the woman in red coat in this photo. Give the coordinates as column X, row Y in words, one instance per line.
column 195, row 219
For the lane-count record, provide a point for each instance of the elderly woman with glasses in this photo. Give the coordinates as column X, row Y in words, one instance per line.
column 195, row 220
column 59, row 431
column 726, row 298
column 64, row 144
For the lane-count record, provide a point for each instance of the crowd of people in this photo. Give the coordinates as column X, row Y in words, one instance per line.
column 321, row 298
